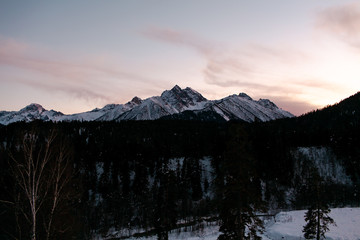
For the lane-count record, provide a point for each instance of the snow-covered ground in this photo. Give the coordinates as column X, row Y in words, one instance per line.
column 288, row 225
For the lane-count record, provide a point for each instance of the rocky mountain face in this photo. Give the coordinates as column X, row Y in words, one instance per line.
column 175, row 102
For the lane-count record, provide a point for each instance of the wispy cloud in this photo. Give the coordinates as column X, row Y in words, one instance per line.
column 264, row 71
column 92, row 78
column 181, row 38
column 225, row 67
column 342, row 21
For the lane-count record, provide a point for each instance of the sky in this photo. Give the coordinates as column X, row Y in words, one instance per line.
column 74, row 56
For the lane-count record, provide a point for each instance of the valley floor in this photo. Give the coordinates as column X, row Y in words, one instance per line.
column 287, row 225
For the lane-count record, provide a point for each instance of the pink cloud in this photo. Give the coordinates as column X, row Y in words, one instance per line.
column 227, row 68
column 265, row 71
column 295, row 106
column 180, row 38
column 343, row 22
column 88, row 79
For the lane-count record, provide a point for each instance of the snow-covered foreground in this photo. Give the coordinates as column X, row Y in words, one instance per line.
column 288, row 225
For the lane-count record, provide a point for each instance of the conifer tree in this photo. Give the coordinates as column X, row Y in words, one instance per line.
column 317, row 216
column 165, row 211
column 242, row 193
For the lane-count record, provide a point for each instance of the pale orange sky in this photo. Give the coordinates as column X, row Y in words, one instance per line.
column 73, row 57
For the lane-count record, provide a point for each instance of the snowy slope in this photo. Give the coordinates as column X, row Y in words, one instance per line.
column 119, row 109
column 150, row 109
column 88, row 116
column 243, row 107
column 174, row 101
column 324, row 160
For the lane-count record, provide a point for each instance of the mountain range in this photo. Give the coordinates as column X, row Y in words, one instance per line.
column 175, row 103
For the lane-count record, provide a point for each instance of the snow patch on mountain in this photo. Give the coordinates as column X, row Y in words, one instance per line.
column 88, row 116
column 119, row 109
column 243, row 107
column 182, row 99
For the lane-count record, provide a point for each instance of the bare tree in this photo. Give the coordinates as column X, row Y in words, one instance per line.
column 62, row 175
column 42, row 174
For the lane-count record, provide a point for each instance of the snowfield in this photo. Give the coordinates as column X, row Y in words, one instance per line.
column 287, row 225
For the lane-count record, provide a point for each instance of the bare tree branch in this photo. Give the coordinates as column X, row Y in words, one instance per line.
column 42, row 175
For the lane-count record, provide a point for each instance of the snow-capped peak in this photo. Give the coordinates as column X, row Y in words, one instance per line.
column 181, row 99
column 136, row 100
column 176, row 88
column 244, row 95
column 174, row 101
column 267, row 103
column 33, row 107
column 29, row 113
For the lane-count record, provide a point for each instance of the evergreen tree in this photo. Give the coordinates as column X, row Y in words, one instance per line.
column 140, row 198
column 317, row 216
column 317, row 222
column 165, row 211
column 242, row 193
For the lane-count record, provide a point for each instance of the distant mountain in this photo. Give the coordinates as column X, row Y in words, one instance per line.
column 29, row 113
column 170, row 102
column 176, row 103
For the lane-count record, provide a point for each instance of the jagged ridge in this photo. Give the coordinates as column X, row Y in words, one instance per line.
column 175, row 102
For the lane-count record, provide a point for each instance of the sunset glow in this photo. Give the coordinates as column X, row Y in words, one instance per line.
column 73, row 57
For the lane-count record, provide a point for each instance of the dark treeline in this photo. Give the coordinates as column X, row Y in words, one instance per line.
column 154, row 175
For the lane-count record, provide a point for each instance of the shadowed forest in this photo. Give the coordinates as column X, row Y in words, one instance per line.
column 85, row 179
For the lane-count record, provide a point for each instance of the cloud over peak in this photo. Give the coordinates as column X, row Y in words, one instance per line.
column 277, row 72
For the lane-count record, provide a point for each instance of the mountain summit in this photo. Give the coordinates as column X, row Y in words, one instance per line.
column 176, row 103
column 29, row 113
column 182, row 99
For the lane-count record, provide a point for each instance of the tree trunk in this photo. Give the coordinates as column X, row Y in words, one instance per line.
column 33, row 213
column 242, row 230
column 33, row 237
